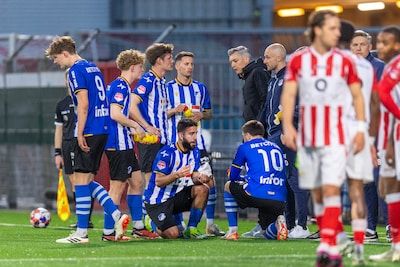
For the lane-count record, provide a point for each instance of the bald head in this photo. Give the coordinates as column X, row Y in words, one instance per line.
column 275, row 57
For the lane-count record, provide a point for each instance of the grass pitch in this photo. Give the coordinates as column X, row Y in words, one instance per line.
column 23, row 245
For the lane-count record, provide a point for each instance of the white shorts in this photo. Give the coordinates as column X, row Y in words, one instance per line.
column 321, row 166
column 360, row 166
column 385, row 170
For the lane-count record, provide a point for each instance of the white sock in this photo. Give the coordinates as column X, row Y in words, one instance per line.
column 138, row 224
column 233, row 229
column 210, row 222
column 341, row 236
column 116, row 215
column 372, row 232
column 108, row 231
column 81, row 232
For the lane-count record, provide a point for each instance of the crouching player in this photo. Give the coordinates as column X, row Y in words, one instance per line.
column 263, row 187
column 176, row 186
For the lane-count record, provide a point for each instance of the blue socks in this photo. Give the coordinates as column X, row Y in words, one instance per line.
column 195, row 216
column 135, row 206
column 83, row 202
column 210, row 209
column 271, row 231
column 104, row 199
column 108, row 224
column 231, row 209
column 143, row 206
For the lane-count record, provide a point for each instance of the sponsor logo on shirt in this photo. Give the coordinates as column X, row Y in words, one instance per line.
column 272, row 180
column 100, row 111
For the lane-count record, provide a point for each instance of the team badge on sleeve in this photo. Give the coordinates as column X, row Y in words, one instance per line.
column 119, row 97
column 141, row 89
column 161, row 164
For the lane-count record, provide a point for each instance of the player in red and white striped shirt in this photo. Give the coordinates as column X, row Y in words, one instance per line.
column 359, row 167
column 389, row 92
column 321, row 75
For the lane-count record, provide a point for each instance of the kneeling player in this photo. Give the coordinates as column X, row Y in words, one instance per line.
column 176, row 185
column 263, row 187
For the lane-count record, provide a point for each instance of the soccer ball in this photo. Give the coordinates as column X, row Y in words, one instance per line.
column 40, row 218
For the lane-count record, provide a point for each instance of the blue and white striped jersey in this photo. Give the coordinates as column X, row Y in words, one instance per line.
column 168, row 160
column 151, row 90
column 119, row 137
column 195, row 96
column 85, row 75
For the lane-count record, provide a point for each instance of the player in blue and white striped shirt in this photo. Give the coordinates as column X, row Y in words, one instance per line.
column 149, row 102
column 184, row 93
column 176, row 185
column 124, row 167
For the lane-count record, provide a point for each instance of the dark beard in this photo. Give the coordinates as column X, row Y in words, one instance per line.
column 186, row 145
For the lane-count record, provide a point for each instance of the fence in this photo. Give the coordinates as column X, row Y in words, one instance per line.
column 26, row 114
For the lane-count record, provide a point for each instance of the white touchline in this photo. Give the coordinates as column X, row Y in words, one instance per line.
column 166, row 258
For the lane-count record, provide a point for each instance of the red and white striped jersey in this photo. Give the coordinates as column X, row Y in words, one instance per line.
column 366, row 73
column 323, row 82
column 389, row 93
column 385, row 126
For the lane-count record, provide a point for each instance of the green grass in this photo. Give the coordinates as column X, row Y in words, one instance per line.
column 23, row 245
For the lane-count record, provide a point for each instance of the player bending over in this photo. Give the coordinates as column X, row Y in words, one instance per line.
column 263, row 187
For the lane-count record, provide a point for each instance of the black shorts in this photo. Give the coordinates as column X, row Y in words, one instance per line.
column 163, row 214
column 147, row 154
column 89, row 162
column 67, row 149
column 244, row 200
column 122, row 164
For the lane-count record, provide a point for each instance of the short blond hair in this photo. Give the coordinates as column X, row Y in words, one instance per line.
column 59, row 45
column 128, row 58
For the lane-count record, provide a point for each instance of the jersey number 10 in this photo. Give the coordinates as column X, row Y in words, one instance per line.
column 275, row 159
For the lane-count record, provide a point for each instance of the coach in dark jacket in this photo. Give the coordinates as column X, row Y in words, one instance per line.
column 255, row 76
column 297, row 199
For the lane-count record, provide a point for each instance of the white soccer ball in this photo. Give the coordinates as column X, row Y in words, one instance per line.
column 40, row 218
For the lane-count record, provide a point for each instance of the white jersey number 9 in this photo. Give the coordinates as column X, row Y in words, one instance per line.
column 100, row 87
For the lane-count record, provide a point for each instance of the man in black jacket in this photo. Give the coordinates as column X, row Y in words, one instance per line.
column 297, row 199
column 255, row 76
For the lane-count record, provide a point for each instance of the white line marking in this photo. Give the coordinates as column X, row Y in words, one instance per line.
column 385, row 244
column 49, row 227
column 166, row 258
